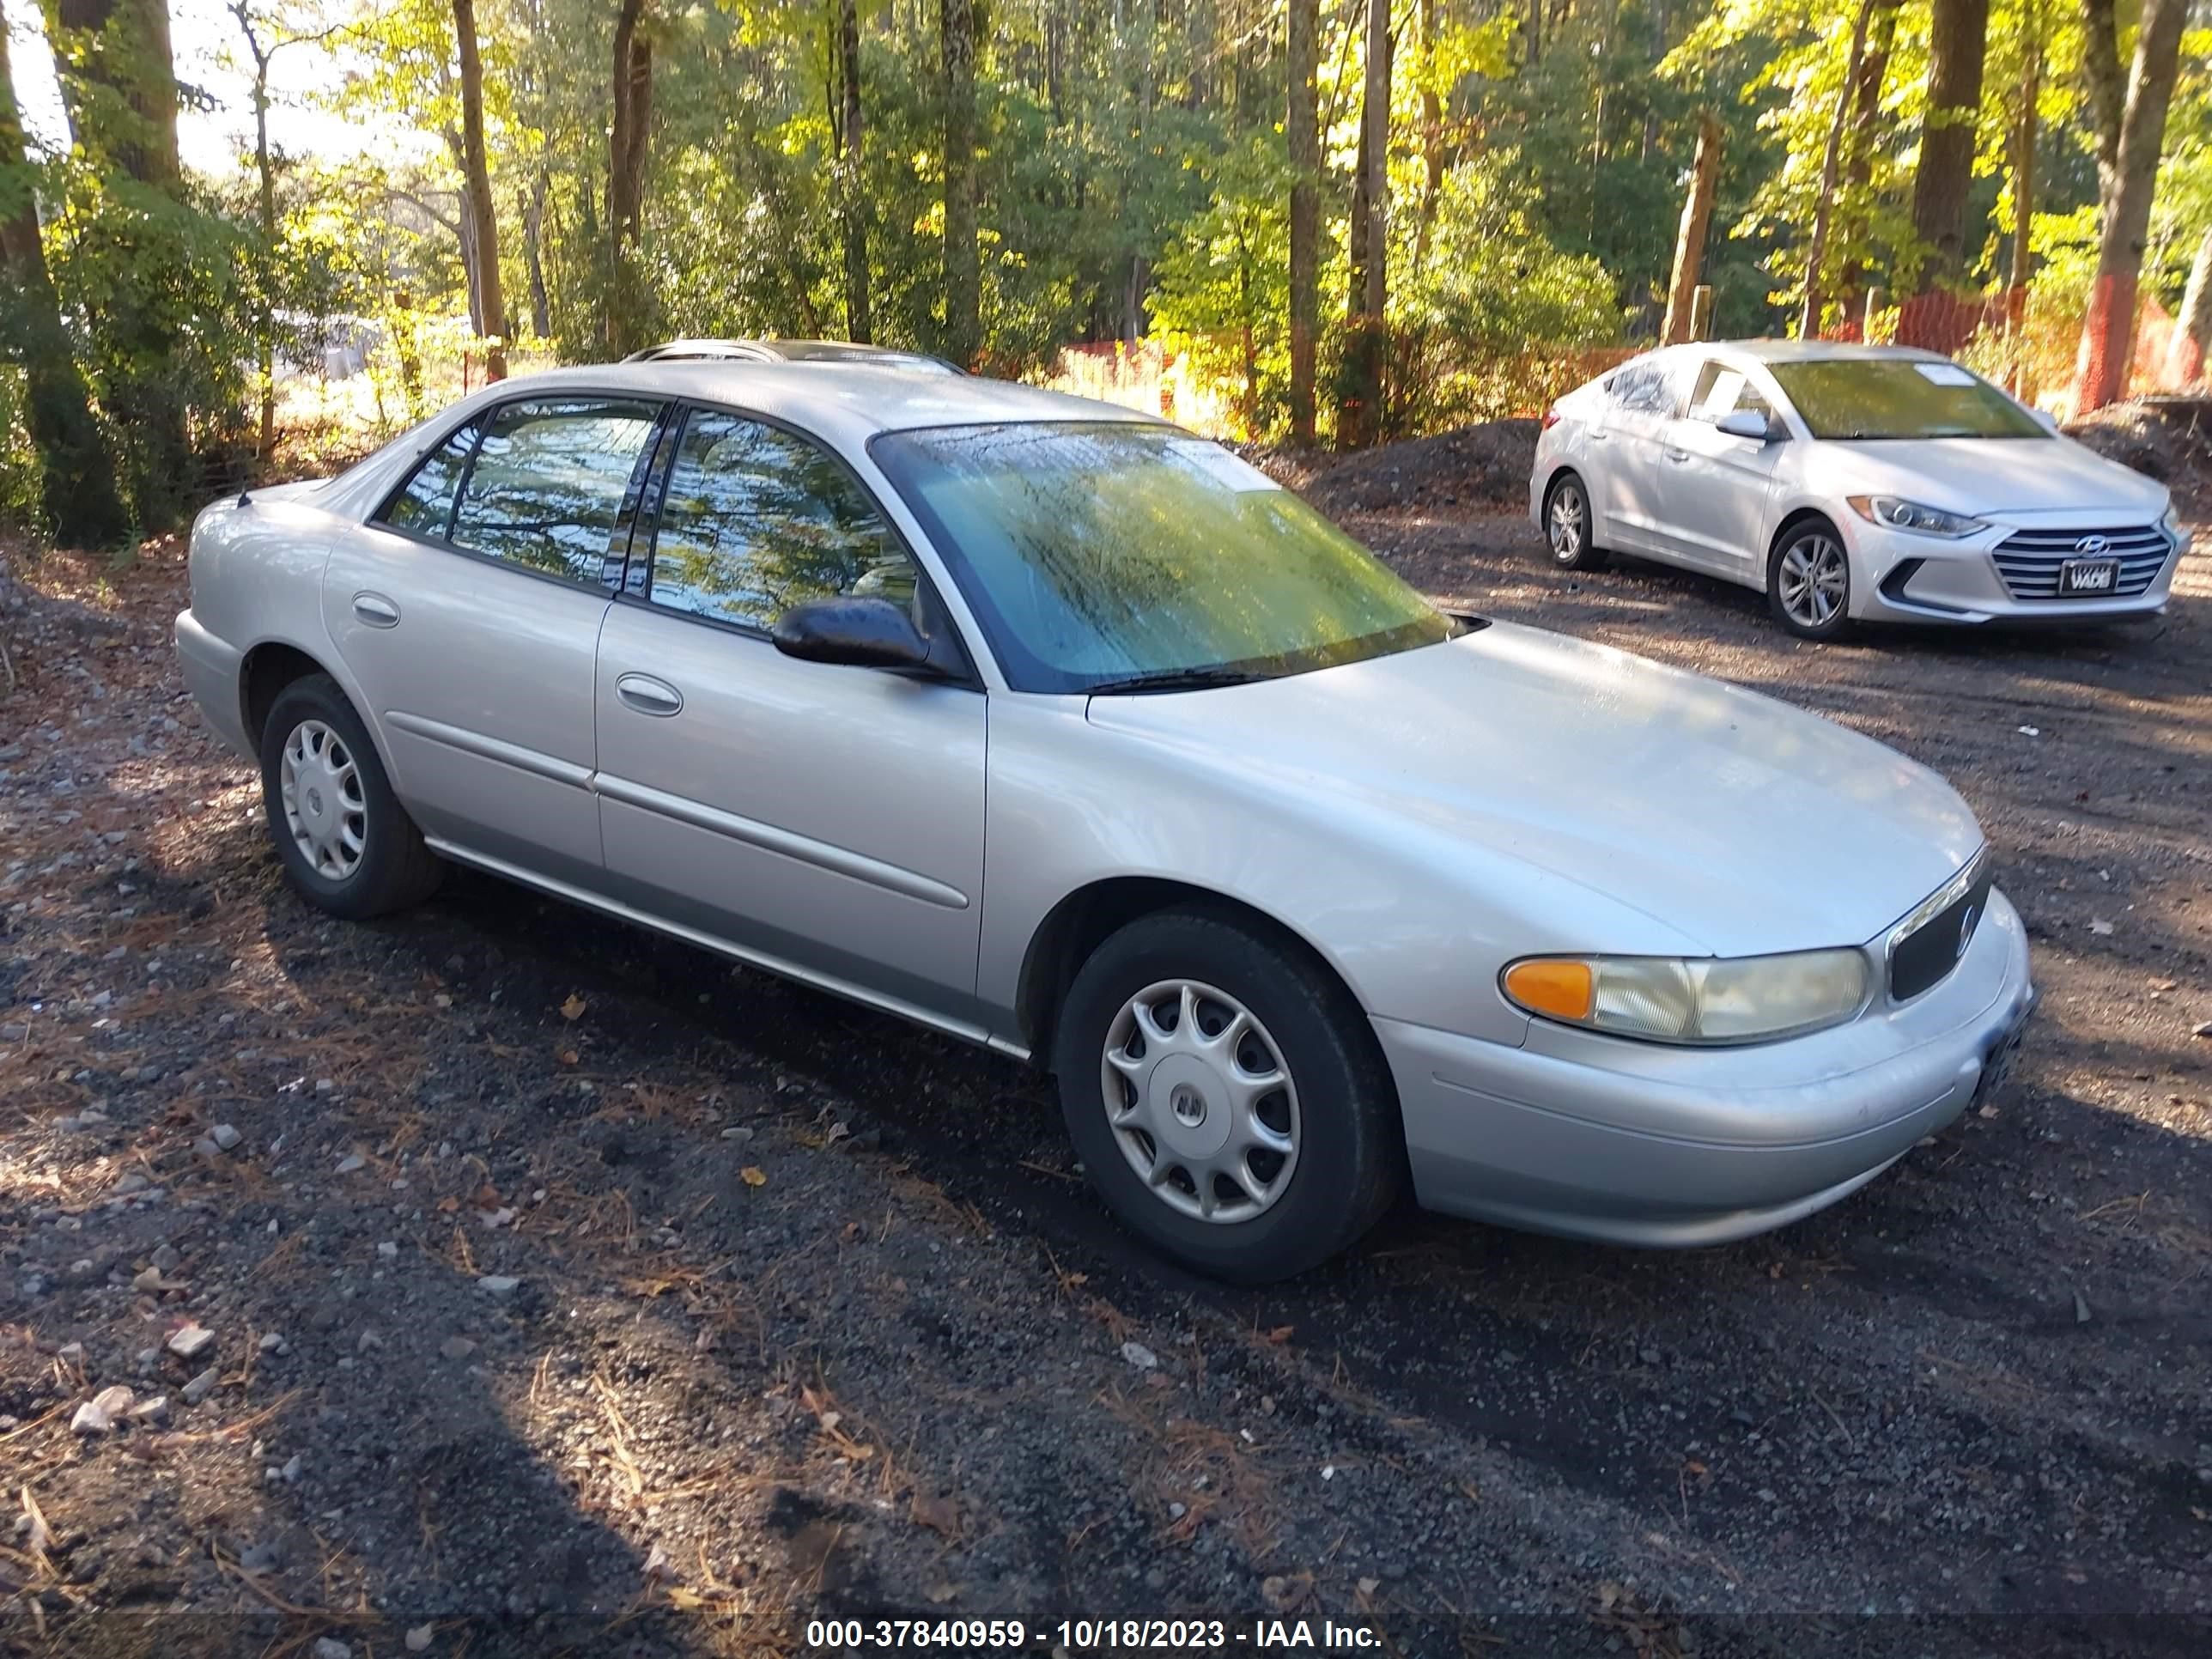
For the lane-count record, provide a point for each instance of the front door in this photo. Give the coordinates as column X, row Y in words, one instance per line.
column 1714, row 485
column 826, row 819
column 468, row 615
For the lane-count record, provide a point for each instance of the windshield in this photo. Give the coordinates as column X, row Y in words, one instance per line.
column 1900, row 397
column 1094, row 554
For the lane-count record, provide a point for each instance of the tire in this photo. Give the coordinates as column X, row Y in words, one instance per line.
column 1808, row 581
column 343, row 800
column 1346, row 1158
column 1568, row 525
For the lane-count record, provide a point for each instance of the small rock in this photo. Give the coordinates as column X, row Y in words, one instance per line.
column 1139, row 1356
column 156, row 1410
column 388, row 1250
column 329, row 1647
column 200, row 1386
column 456, row 1347
column 291, row 1470
column 418, row 1637
column 497, row 1285
column 350, row 1161
column 739, row 1134
column 205, row 1147
column 324, row 1085
column 225, row 1136
column 15, row 1033
column 2204, row 1030
column 270, row 1342
column 98, row 1415
column 167, row 1259
column 191, row 1341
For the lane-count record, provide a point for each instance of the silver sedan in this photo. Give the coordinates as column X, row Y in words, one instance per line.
column 1052, row 727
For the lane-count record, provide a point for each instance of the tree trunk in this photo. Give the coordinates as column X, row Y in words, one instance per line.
column 2023, row 161
column 854, row 202
column 1432, row 133
column 1690, row 237
column 2100, row 76
column 476, row 173
column 119, row 87
column 1532, row 30
column 121, row 47
column 76, row 479
column 265, row 168
column 533, row 253
column 963, row 323
column 622, row 317
column 1375, row 129
column 1859, row 147
column 1301, row 130
column 2101, row 370
column 1816, row 252
column 2186, row 352
column 1958, row 43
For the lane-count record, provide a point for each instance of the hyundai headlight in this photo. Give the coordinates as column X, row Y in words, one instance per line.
column 1694, row 999
column 1895, row 513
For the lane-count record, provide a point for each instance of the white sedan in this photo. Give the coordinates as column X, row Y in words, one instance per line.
column 1849, row 483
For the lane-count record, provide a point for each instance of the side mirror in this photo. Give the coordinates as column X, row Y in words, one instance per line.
column 1750, row 423
column 857, row 632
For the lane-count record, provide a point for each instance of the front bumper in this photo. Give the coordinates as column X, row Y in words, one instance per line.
column 210, row 667
column 1897, row 576
column 1633, row 1143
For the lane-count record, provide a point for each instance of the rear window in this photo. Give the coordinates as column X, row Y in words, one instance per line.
column 1847, row 398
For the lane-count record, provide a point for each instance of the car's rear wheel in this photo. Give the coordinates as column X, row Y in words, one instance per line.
column 1568, row 525
column 1808, row 581
column 1226, row 1097
column 347, row 844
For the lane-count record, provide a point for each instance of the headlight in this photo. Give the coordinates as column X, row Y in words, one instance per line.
column 2170, row 521
column 1692, row 1000
column 1894, row 514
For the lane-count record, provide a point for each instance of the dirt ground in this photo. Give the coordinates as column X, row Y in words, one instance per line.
column 499, row 1280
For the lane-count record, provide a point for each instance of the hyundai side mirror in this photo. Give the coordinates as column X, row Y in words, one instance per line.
column 1750, row 423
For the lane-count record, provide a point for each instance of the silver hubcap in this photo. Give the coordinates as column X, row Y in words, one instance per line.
column 1565, row 522
column 324, row 806
column 1201, row 1102
column 1813, row 579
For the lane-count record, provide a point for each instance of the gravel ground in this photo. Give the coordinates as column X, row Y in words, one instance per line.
column 500, row 1281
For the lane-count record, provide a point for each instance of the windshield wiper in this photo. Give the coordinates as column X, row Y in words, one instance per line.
column 1177, row 679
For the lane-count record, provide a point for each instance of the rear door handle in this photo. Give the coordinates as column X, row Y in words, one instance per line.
column 375, row 610
column 650, row 695
column 1677, row 454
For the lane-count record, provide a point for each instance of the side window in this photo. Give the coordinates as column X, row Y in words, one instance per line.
column 756, row 520
column 546, row 488
column 1641, row 388
column 1720, row 391
column 425, row 507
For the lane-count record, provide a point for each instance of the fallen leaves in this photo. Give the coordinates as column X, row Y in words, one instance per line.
column 573, row 1009
column 753, row 1176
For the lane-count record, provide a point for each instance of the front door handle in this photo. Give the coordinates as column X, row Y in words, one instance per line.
column 650, row 695
column 375, row 610
column 1677, row 454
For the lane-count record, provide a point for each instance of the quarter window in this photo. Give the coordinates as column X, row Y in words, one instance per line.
column 546, row 489
column 1722, row 390
column 756, row 520
column 425, row 507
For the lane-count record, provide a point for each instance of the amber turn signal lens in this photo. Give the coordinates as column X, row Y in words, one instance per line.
column 1564, row 990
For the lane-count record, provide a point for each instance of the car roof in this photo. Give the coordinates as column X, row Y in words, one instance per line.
column 1807, row 352
column 789, row 351
column 848, row 406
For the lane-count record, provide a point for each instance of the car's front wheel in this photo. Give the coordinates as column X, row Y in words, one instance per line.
column 1568, row 525
column 347, row 844
column 1226, row 1097
column 1808, row 581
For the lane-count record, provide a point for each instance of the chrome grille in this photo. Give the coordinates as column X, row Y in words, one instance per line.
column 2029, row 560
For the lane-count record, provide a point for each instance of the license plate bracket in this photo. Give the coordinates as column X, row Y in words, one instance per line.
column 2089, row 578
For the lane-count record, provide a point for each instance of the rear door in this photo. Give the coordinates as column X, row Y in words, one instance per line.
column 828, row 819
column 1626, row 434
column 1714, row 487
column 468, row 613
